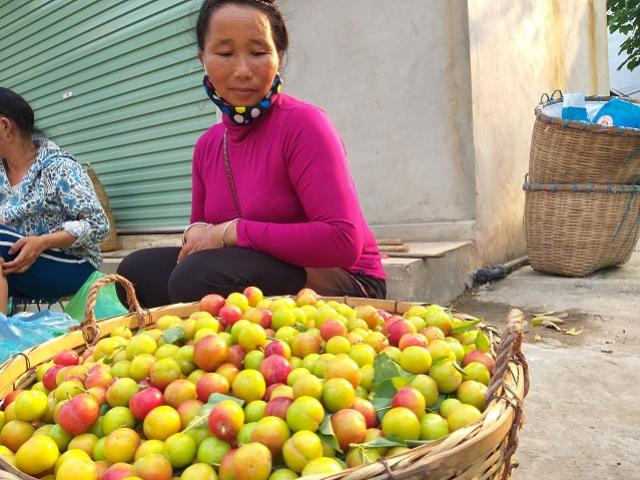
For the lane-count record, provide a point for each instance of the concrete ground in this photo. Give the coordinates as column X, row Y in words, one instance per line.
column 583, row 408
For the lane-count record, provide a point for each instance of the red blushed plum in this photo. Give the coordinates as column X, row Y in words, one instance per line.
column 368, row 411
column 384, row 315
column 154, row 466
column 66, row 357
column 229, row 314
column 270, row 389
column 398, row 329
column 210, row 352
column 118, row 471
column 307, row 296
column 252, row 462
column 163, row 372
column 179, row 391
column 236, row 355
column 332, row 328
column 261, row 316
column 11, row 396
column 228, row 371
column 349, row 426
column 225, row 471
column 275, row 369
column 50, row 377
column 412, row 339
column 271, row 432
column 254, row 295
column 249, row 385
column 409, row 397
column 477, row 356
column 278, row 407
column 437, row 316
column 369, row 314
column 212, row 303
column 15, row 433
column 99, row 393
column 432, row 333
column 304, row 344
column 343, row 367
column 78, row 414
column 120, row 392
column 120, row 445
column 211, row 383
column 277, row 347
column 98, row 378
column 188, row 410
column 226, row 419
column 390, row 321
column 143, row 402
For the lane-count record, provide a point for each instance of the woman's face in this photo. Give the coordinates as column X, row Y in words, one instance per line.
column 239, row 54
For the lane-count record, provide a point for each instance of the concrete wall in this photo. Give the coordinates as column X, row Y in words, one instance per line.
column 435, row 100
column 518, row 51
column 394, row 76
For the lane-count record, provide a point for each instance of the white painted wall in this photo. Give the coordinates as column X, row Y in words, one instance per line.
column 435, row 100
column 394, row 77
column 518, row 51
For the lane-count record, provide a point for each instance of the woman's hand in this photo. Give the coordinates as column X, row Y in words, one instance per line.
column 201, row 237
column 30, row 249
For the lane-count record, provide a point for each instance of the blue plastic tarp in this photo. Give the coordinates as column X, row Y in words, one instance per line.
column 26, row 329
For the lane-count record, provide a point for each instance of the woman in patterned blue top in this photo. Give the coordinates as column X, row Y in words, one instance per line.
column 51, row 222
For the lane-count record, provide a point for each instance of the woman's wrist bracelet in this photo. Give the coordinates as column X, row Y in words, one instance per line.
column 224, row 231
column 184, row 234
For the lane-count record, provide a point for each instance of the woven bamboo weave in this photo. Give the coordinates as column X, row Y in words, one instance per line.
column 576, row 233
column 111, row 243
column 481, row 450
column 568, row 151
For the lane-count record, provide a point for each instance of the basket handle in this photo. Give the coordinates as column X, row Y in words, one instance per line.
column 89, row 327
column 510, row 350
column 546, row 99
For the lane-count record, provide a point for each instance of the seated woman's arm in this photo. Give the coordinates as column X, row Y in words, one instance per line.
column 70, row 188
column 318, row 170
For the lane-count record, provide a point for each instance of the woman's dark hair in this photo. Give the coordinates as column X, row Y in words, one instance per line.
column 268, row 7
column 16, row 108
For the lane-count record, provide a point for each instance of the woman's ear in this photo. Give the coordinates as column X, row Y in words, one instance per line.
column 199, row 55
column 6, row 129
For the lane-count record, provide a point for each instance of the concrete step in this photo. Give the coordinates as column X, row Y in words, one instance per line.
column 431, row 272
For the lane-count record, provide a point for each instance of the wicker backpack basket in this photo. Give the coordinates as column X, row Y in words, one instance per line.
column 582, row 208
column 481, row 450
column 111, row 243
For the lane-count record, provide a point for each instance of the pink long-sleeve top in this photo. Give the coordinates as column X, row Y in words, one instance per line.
column 298, row 200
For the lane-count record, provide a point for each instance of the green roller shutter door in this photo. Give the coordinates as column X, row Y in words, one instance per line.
column 117, row 84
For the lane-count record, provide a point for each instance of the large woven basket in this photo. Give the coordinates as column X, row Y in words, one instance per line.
column 111, row 243
column 574, row 230
column 579, row 152
column 582, row 210
column 482, row 450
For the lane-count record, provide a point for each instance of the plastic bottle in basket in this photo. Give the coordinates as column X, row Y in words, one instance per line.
column 574, row 107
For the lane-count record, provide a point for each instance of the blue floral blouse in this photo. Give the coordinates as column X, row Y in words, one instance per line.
column 55, row 195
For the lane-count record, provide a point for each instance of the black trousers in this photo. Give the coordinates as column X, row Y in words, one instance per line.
column 160, row 280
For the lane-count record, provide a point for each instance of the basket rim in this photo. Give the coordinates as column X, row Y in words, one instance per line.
column 496, row 420
column 586, row 126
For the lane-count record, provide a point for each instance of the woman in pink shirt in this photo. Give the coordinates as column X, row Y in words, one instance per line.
column 273, row 202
